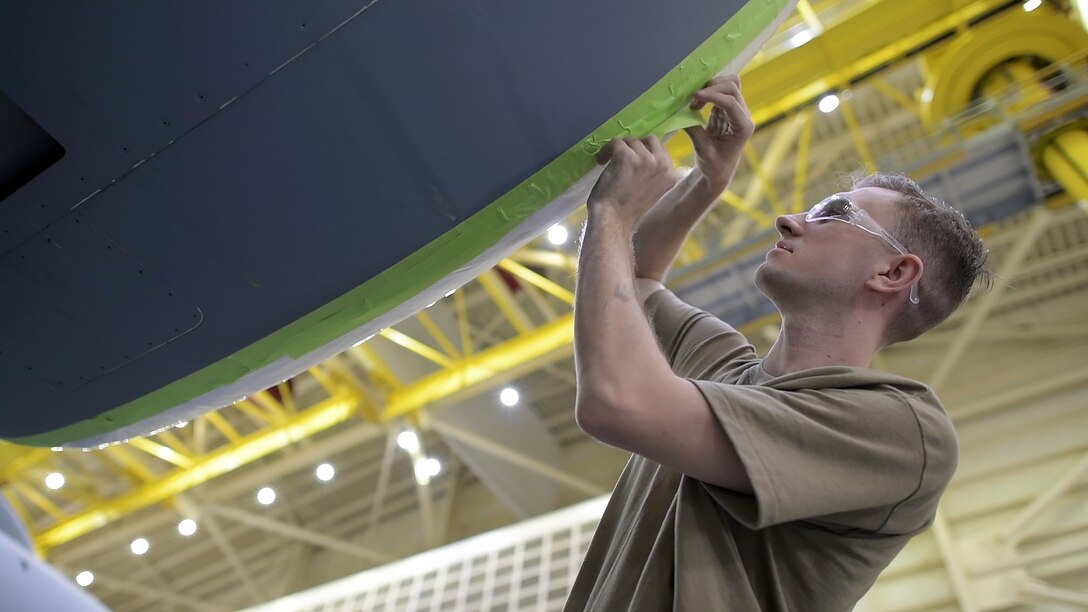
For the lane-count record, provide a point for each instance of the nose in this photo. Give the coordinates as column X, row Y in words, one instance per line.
column 789, row 225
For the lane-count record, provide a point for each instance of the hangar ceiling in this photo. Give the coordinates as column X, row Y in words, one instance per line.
column 1010, row 366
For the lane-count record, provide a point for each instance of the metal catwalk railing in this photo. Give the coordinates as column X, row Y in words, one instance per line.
column 529, row 566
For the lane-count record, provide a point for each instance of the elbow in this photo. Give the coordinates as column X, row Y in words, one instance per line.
column 595, row 409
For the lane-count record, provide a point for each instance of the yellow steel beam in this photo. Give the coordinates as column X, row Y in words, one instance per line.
column 437, row 334
column 36, row 499
column 800, row 177
column 780, row 146
column 855, row 133
column 463, row 326
column 373, row 363
column 259, row 417
column 796, row 77
column 1066, row 158
column 288, row 398
column 338, row 366
column 500, row 294
column 163, row 452
column 845, row 51
column 754, row 193
column 811, row 19
column 557, row 260
column 323, row 378
column 503, row 358
column 1023, row 87
column 320, row 417
column 133, row 467
column 224, row 427
column 543, row 305
column 200, row 435
column 743, row 206
column 171, row 439
column 411, row 344
column 17, row 458
column 895, row 95
column 544, row 284
column 16, row 504
column 957, row 70
column 267, row 401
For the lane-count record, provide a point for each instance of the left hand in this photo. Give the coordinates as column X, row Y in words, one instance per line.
column 719, row 145
column 639, row 172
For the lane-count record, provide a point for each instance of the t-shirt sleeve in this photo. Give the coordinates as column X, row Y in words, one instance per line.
column 847, row 457
column 696, row 343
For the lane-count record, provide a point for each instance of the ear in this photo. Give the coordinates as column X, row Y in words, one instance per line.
column 897, row 275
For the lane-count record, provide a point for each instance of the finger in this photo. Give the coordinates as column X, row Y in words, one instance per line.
column 654, row 146
column 637, row 146
column 730, row 85
column 609, row 150
column 698, row 136
column 732, row 107
column 725, row 78
column 728, row 88
column 709, row 94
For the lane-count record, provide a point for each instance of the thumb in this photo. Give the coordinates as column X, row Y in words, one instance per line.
column 698, row 136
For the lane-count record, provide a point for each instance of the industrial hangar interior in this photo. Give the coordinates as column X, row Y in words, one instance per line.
column 438, row 465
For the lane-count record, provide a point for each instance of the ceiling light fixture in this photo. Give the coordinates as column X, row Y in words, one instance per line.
column 408, row 440
column 427, row 468
column 800, row 38
column 187, row 527
column 266, row 495
column 139, row 546
column 84, row 578
column 54, row 481
column 557, row 235
column 828, row 103
column 509, row 396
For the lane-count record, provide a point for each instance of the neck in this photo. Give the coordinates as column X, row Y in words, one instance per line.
column 808, row 342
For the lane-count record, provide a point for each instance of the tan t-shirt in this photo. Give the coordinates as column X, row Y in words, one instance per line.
column 847, row 465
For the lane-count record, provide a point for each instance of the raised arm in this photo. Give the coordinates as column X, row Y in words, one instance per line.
column 718, row 147
column 628, row 395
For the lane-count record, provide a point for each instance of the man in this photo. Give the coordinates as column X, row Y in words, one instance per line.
column 786, row 483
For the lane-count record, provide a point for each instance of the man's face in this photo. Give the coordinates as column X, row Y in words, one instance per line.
column 827, row 261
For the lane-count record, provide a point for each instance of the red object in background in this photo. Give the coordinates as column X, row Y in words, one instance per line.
column 512, row 282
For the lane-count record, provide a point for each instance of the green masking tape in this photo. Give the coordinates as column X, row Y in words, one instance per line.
column 684, row 118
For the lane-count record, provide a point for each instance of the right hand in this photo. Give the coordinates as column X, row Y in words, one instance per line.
column 719, row 145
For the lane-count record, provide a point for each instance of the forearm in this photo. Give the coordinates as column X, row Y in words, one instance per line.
column 614, row 348
column 663, row 230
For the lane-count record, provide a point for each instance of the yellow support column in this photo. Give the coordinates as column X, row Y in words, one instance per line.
column 1064, row 156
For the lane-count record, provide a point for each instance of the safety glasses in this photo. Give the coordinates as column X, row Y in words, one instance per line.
column 840, row 208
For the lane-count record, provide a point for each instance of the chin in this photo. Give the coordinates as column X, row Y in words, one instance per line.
column 765, row 281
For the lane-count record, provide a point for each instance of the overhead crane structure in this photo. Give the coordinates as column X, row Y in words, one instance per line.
column 939, row 71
